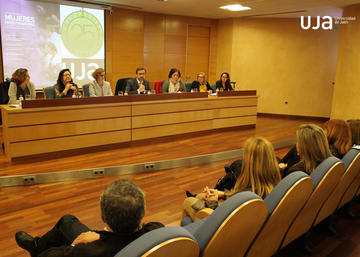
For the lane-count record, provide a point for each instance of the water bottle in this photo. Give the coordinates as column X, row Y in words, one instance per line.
column 21, row 98
column 192, row 90
column 126, row 93
column 74, row 95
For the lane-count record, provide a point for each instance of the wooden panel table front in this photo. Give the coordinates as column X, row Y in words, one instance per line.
column 33, row 131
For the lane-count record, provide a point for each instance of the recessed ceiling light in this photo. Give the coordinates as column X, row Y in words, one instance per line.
column 235, row 7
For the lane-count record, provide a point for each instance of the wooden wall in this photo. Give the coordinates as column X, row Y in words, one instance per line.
column 347, row 84
column 283, row 62
column 157, row 42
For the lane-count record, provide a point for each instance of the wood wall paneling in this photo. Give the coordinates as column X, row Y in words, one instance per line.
column 197, row 51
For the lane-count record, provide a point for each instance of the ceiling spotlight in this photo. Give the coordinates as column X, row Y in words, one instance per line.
column 235, row 7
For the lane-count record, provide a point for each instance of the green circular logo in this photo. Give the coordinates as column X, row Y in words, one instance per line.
column 82, row 34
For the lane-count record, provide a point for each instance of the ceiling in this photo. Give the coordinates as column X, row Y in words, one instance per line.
column 210, row 8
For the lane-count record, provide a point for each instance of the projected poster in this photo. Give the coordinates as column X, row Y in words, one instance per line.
column 46, row 37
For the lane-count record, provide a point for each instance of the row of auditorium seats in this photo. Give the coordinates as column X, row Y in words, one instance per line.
column 247, row 225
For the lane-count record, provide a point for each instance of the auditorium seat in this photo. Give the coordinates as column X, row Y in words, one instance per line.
column 213, row 87
column 284, row 203
column 325, row 178
column 4, row 92
column 158, row 86
column 351, row 161
column 120, row 85
column 49, row 92
column 351, row 192
column 231, row 227
column 162, row 242
column 188, row 86
column 85, row 90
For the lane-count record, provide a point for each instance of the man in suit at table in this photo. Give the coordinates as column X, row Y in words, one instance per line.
column 138, row 85
column 122, row 207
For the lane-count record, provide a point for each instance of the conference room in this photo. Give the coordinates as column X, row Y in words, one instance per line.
column 229, row 75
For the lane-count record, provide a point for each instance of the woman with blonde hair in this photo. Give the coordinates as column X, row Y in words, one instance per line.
column 338, row 134
column 312, row 147
column 99, row 87
column 200, row 84
column 259, row 173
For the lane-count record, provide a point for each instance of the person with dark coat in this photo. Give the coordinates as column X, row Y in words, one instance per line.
column 122, row 209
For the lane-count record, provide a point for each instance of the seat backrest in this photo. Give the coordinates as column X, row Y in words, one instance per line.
column 230, row 229
column 284, row 203
column 158, row 86
column 49, row 92
column 4, row 92
column 350, row 160
column 325, row 177
column 120, row 85
column 162, row 242
column 351, row 192
column 213, row 87
column 188, row 86
column 85, row 90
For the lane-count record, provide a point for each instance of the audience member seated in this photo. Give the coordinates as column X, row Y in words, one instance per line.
column 173, row 84
column 21, row 86
column 65, row 87
column 138, row 85
column 99, row 87
column 200, row 84
column 122, row 207
column 312, row 147
column 355, row 131
column 338, row 134
column 259, row 173
column 224, row 83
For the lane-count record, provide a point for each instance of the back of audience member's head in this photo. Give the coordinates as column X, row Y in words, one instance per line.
column 355, row 131
column 312, row 146
column 19, row 76
column 122, row 206
column 260, row 170
column 339, row 135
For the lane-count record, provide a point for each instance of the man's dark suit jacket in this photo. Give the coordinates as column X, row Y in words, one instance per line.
column 108, row 245
column 132, row 86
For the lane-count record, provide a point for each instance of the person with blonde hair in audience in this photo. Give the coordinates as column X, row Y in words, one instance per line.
column 21, row 86
column 312, row 147
column 338, row 134
column 259, row 173
column 99, row 87
column 355, row 131
column 200, row 84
